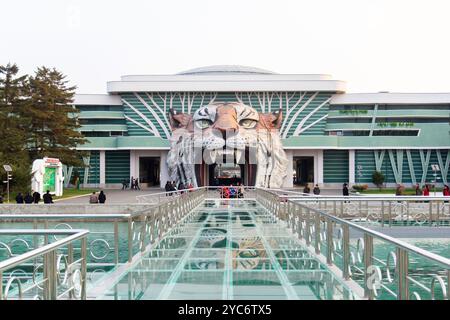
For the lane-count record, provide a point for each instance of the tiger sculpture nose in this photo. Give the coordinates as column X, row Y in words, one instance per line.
column 226, row 121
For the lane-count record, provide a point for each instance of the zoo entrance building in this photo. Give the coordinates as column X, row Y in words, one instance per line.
column 329, row 136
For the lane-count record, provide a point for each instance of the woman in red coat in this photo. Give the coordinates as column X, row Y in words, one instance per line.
column 426, row 190
column 446, row 191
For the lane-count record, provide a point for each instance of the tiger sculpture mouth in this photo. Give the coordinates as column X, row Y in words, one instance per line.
column 227, row 133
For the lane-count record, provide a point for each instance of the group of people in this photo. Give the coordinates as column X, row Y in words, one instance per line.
column 100, row 198
column 424, row 191
column 172, row 188
column 31, row 197
column 316, row 189
column 232, row 192
column 133, row 184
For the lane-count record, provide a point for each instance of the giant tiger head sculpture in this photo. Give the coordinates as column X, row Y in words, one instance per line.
column 233, row 131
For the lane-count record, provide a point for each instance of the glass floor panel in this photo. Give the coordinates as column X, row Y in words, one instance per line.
column 228, row 250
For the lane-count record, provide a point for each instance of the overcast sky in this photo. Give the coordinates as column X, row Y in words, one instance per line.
column 374, row 45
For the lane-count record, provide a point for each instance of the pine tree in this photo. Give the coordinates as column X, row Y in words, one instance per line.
column 52, row 118
column 13, row 130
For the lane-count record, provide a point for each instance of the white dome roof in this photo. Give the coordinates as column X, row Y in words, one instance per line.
column 228, row 69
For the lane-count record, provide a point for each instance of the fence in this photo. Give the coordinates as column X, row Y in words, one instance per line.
column 402, row 272
column 47, row 272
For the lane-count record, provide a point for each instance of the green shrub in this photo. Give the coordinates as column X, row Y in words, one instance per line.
column 378, row 179
column 360, row 187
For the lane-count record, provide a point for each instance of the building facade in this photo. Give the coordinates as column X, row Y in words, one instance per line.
column 329, row 136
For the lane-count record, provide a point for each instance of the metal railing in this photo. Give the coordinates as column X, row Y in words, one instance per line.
column 113, row 238
column 211, row 192
column 393, row 210
column 46, row 272
column 403, row 271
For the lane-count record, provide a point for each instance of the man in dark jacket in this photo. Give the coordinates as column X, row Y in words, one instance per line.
column 36, row 197
column 19, row 198
column 345, row 190
column 316, row 190
column 28, row 198
column 101, row 197
column 48, row 197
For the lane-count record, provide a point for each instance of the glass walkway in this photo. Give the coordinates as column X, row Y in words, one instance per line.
column 228, row 249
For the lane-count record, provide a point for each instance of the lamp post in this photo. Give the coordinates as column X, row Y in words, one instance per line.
column 8, row 170
column 435, row 169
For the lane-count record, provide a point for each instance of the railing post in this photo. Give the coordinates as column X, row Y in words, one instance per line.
column 382, row 213
column 329, row 241
column 116, row 242
column 130, row 239
column 308, row 227
column 317, row 232
column 390, row 213
column 402, row 273
column 83, row 267
column 448, row 284
column 368, row 259
column 69, row 261
column 1, row 285
column 50, row 275
column 346, row 251
column 300, row 221
column 144, row 223
column 430, row 211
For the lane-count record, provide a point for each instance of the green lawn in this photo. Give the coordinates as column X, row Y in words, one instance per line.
column 66, row 194
column 406, row 192
column 75, row 192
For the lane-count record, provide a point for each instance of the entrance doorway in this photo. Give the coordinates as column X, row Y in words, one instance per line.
column 226, row 174
column 149, row 171
column 303, row 170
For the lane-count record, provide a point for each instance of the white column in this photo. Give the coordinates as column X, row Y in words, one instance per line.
column 351, row 166
column 320, row 167
column 133, row 163
column 102, row 168
column 288, row 181
column 163, row 170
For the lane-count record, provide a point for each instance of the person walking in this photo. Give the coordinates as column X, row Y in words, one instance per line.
column 136, row 184
column 36, row 197
column 174, row 187
column 345, row 192
column 418, row 190
column 426, row 190
column 19, row 198
column 132, row 183
column 446, row 191
column 316, row 190
column 28, row 198
column 101, row 197
column 306, row 189
column 93, row 198
column 124, row 184
column 48, row 197
column 1, row 198
column 399, row 190
column 181, row 187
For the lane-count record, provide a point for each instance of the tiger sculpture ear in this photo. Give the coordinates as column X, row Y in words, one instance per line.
column 272, row 120
column 180, row 120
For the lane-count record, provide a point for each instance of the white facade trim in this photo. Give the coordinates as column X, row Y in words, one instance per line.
column 202, row 84
column 351, row 166
column 97, row 99
column 102, row 167
column 391, row 98
column 320, row 167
